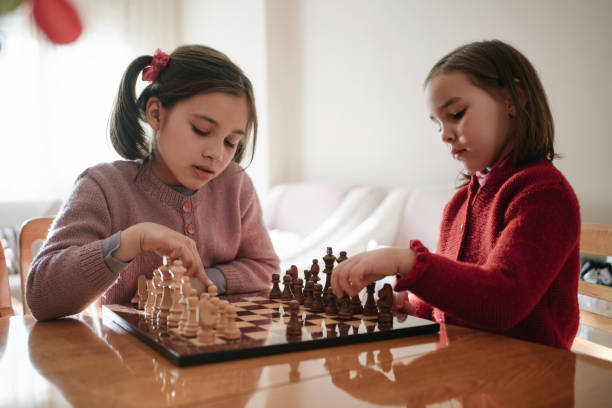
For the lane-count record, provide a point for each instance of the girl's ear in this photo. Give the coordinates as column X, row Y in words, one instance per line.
column 154, row 113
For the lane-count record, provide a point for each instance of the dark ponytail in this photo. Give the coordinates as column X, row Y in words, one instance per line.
column 191, row 70
column 126, row 132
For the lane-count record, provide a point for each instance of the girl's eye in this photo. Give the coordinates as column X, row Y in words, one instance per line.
column 230, row 144
column 459, row 114
column 199, row 132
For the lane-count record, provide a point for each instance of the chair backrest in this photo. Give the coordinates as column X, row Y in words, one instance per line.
column 32, row 230
column 6, row 308
column 595, row 239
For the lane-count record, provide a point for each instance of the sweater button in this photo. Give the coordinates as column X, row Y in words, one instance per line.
column 190, row 229
column 186, row 206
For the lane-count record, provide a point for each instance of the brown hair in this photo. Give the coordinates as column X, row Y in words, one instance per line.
column 493, row 65
column 191, row 69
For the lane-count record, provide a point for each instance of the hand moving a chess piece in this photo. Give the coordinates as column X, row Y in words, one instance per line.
column 362, row 269
column 148, row 236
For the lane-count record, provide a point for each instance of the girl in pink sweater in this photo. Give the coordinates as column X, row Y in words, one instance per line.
column 180, row 193
column 507, row 259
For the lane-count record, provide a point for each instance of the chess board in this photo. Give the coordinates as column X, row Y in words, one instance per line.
column 262, row 322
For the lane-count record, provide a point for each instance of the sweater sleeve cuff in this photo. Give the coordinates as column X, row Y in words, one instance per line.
column 418, row 268
column 218, row 279
column 109, row 247
column 95, row 271
column 234, row 283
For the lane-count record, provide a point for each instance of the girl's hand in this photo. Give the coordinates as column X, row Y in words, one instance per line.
column 402, row 303
column 148, row 236
column 362, row 269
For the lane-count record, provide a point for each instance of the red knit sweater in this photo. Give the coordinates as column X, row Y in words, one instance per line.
column 507, row 259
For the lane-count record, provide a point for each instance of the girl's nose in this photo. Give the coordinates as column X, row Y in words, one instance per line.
column 448, row 134
column 214, row 150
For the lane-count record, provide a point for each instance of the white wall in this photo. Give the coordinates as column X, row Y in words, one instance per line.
column 353, row 87
column 236, row 28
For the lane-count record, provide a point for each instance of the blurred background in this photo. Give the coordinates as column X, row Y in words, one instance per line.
column 338, row 85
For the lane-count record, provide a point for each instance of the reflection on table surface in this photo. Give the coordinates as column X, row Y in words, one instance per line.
column 87, row 361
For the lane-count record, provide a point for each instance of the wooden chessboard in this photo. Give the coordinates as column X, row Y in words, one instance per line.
column 262, row 322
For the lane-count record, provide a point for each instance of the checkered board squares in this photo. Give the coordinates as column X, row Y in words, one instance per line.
column 263, row 326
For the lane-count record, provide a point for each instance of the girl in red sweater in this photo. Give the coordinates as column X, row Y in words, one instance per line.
column 507, row 259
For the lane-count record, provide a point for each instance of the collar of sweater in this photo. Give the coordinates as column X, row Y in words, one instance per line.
column 498, row 174
column 167, row 195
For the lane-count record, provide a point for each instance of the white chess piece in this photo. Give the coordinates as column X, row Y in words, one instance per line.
column 207, row 316
column 232, row 332
column 190, row 329
column 222, row 319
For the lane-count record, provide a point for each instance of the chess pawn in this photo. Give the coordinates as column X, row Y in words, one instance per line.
column 370, row 308
column 297, row 291
column 148, row 309
column 294, row 328
column 142, row 291
column 356, row 307
column 191, row 327
column 166, row 298
column 342, row 257
column 212, row 291
column 177, row 270
column 307, row 275
column 185, row 290
column 308, row 294
column 287, row 293
column 232, row 332
column 385, row 302
column 314, row 270
column 317, row 302
column 275, row 293
column 207, row 315
column 217, row 305
column 156, row 293
column 222, row 318
column 331, row 308
column 344, row 311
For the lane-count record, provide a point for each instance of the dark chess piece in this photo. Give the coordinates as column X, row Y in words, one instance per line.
column 329, row 260
column 288, row 273
column 287, row 293
column 385, row 302
column 293, row 271
column 294, row 328
column 344, row 308
column 342, row 257
column 314, row 271
column 317, row 302
column 307, row 275
column 330, row 307
column 275, row 293
column 356, row 307
column 308, row 294
column 297, row 291
column 370, row 308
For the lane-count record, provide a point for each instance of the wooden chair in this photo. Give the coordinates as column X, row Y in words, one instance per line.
column 6, row 308
column 31, row 230
column 595, row 239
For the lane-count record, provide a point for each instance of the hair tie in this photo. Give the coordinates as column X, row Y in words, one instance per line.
column 160, row 59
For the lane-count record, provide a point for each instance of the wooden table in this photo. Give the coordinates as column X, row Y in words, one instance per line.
column 88, row 361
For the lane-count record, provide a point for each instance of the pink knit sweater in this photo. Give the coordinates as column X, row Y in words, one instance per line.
column 224, row 218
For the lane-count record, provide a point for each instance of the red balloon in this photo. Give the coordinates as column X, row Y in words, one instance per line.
column 57, row 19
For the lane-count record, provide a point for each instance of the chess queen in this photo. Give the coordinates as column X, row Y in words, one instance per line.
column 180, row 192
column 507, row 258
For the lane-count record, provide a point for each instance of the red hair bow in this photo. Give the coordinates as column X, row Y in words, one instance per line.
column 160, row 59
